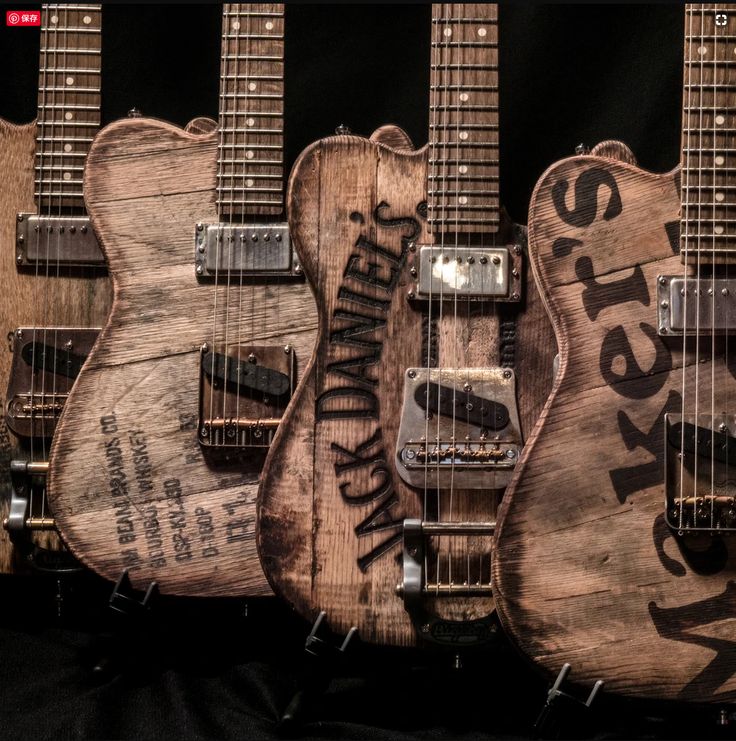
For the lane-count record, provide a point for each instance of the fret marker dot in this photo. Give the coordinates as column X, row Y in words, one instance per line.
column 249, row 154
column 448, row 32
column 719, row 197
column 464, row 97
column 269, row 26
column 249, row 182
column 463, row 200
column 54, row 19
column 251, row 86
column 463, row 134
column 718, row 229
column 67, row 176
column 67, row 147
column 87, row 19
column 720, row 120
column 68, row 116
column 69, row 80
column 702, row 50
column 236, row 25
column 463, row 169
column 720, row 159
column 482, row 32
column 250, row 121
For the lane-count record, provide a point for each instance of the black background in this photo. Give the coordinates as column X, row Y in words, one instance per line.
column 569, row 74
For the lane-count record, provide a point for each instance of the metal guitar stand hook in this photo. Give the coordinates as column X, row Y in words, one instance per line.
column 561, row 705
column 321, row 658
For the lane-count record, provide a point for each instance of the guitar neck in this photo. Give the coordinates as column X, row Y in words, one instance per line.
column 68, row 103
column 463, row 131
column 250, row 155
column 708, row 221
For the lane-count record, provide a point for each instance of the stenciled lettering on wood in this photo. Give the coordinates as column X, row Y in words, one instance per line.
column 358, row 322
column 638, row 383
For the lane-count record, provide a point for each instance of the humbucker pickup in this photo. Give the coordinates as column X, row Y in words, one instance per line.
column 446, row 272
column 700, row 480
column 243, row 393
column 56, row 240
column 695, row 305
column 259, row 250
column 46, row 361
column 459, row 426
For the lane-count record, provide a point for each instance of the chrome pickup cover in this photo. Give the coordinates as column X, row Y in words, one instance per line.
column 254, row 250
column 469, row 272
column 56, row 240
column 704, row 305
column 700, row 481
column 441, row 447
column 45, row 364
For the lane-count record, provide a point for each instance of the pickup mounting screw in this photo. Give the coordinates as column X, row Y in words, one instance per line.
column 664, row 304
column 507, row 374
column 467, row 387
column 663, row 330
column 20, row 217
column 254, row 237
column 19, row 259
column 297, row 269
column 200, row 226
column 514, row 296
column 483, row 260
column 496, row 260
column 21, row 239
column 662, row 281
column 411, row 374
column 199, row 269
column 83, row 230
column 510, row 453
column 723, row 427
column 277, row 237
column 471, row 260
column 412, row 246
column 205, row 347
column 68, row 345
column 515, row 273
column 251, row 358
column 410, row 295
column 517, row 249
column 19, row 334
column 287, row 349
column 413, row 272
column 724, row 291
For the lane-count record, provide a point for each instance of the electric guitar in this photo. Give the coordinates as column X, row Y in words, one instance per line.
column 409, row 419
column 55, row 293
column 613, row 551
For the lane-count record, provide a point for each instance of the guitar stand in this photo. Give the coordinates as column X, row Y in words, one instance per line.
column 321, row 658
column 562, row 708
column 131, row 622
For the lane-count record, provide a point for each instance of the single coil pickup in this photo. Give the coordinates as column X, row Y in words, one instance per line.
column 461, row 405
column 417, row 454
column 56, row 240
column 50, row 359
column 704, row 442
column 245, row 374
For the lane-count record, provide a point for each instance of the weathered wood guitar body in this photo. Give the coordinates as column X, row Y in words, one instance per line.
column 78, row 299
column 587, row 571
column 332, row 506
column 129, row 482
column 613, row 551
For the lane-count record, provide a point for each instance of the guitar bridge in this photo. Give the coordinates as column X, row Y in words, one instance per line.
column 459, row 426
column 243, row 393
column 46, row 362
column 427, row 575
column 28, row 510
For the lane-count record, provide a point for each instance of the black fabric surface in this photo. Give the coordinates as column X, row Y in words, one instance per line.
column 197, row 669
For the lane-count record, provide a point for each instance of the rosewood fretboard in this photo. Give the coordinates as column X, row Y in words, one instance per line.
column 708, row 129
column 463, row 129
column 68, row 103
column 250, row 161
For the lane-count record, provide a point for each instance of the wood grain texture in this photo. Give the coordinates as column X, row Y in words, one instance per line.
column 128, row 480
column 319, row 519
column 586, row 570
column 67, row 300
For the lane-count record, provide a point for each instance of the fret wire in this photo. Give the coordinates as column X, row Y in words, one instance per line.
column 47, row 50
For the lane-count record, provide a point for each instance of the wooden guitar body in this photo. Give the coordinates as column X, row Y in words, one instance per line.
column 69, row 299
column 587, row 571
column 331, row 505
column 129, row 483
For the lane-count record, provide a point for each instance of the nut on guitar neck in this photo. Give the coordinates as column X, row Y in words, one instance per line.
column 243, row 393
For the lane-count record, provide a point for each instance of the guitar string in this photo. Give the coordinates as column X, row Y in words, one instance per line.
column 221, row 156
column 713, row 291
column 685, row 224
